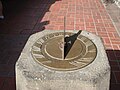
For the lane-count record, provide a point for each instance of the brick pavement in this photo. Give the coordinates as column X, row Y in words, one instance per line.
column 114, row 12
column 27, row 17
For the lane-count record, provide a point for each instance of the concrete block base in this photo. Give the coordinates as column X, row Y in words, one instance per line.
column 30, row 75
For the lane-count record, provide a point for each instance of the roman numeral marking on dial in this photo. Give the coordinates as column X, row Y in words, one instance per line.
column 42, row 40
column 51, row 35
column 38, row 45
column 92, row 50
column 46, row 62
column 38, row 55
column 35, row 48
column 56, row 34
column 82, row 61
column 45, row 38
column 85, row 59
column 36, row 52
column 88, row 43
column 43, row 60
column 77, row 63
column 82, row 38
column 39, row 42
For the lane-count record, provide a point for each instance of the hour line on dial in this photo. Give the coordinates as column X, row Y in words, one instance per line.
column 88, row 43
column 46, row 61
column 82, row 60
column 45, row 38
column 49, row 52
column 39, row 42
column 36, row 48
column 77, row 63
column 86, row 59
column 82, row 38
column 42, row 40
column 38, row 55
column 92, row 50
column 43, row 60
column 38, row 45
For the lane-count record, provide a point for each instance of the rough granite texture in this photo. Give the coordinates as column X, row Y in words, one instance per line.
column 32, row 76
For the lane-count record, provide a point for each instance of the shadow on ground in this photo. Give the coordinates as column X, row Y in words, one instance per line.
column 22, row 18
column 114, row 60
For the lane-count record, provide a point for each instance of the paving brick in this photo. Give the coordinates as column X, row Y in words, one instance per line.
column 116, row 42
column 31, row 17
column 111, row 54
column 115, row 68
column 116, row 47
column 117, row 53
column 106, row 40
column 108, row 47
column 9, row 84
column 114, row 63
column 111, row 35
column 116, row 35
column 115, row 87
column 110, row 29
column 113, row 79
column 117, row 75
column 1, row 82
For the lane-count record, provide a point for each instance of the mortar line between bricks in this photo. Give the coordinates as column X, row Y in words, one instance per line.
column 58, row 14
column 64, row 21
column 115, row 76
column 84, row 19
column 113, row 23
column 110, row 18
column 75, row 17
column 94, row 23
column 117, row 60
column 108, row 36
column 106, row 29
column 38, row 19
column 101, row 18
column 64, row 15
column 66, row 18
column 3, row 84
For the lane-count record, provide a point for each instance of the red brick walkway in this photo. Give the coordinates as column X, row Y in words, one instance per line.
column 87, row 15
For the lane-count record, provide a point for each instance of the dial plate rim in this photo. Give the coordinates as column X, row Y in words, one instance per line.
column 61, row 69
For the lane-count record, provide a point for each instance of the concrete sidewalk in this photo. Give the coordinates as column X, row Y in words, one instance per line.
column 28, row 17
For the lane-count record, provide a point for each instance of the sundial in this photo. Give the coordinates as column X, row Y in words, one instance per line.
column 64, row 59
column 64, row 51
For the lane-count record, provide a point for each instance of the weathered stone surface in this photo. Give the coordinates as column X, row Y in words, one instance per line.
column 118, row 3
column 32, row 76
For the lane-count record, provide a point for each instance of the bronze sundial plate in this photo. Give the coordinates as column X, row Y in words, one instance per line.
column 79, row 51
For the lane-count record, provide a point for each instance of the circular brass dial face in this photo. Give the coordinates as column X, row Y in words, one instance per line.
column 79, row 51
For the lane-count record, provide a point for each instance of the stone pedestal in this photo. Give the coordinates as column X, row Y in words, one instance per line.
column 30, row 75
